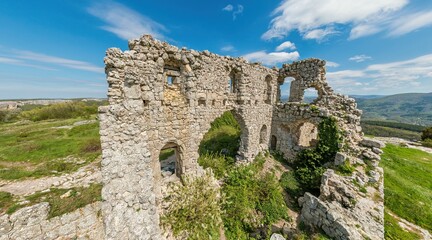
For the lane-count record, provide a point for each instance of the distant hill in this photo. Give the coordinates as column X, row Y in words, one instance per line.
column 413, row 108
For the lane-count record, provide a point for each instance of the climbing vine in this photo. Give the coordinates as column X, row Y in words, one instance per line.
column 309, row 164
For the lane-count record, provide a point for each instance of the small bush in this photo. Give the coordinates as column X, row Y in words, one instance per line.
column 345, row 168
column 427, row 143
column 427, row 134
column 60, row 111
column 290, row 184
column 194, row 211
column 8, row 115
column 220, row 164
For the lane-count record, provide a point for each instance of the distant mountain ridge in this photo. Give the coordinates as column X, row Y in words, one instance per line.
column 413, row 108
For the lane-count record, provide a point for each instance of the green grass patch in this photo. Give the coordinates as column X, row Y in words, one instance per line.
column 345, row 169
column 6, row 201
column 252, row 200
column 65, row 110
column 385, row 131
column 394, row 232
column 223, row 140
column 408, row 184
column 166, row 153
column 194, row 211
column 79, row 197
column 219, row 163
column 34, row 149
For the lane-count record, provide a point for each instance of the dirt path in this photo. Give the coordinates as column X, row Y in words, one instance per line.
column 82, row 177
column 411, row 227
column 398, row 141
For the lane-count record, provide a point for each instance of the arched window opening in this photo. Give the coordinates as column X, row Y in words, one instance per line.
column 169, row 158
column 273, row 143
column 285, row 89
column 263, row 135
column 310, row 95
column 307, row 135
column 268, row 91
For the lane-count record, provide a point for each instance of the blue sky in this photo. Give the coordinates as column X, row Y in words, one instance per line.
column 55, row 49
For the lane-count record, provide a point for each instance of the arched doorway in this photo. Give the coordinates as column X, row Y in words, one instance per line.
column 170, row 160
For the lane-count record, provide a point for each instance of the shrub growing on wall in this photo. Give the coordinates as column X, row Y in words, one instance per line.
column 309, row 162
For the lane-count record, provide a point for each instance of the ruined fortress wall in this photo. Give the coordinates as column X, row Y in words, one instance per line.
column 148, row 112
column 164, row 97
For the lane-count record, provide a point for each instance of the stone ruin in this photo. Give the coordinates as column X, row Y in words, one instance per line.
column 164, row 97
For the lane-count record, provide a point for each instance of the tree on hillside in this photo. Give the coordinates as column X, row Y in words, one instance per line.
column 427, row 133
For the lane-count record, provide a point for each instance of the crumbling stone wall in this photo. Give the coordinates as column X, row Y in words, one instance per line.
column 32, row 223
column 161, row 96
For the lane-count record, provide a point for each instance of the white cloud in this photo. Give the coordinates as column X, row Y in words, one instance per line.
column 13, row 61
column 319, row 34
column 235, row 12
column 239, row 10
column 286, row 45
column 411, row 22
column 69, row 63
column 228, row 8
column 228, row 48
column 125, row 22
column 388, row 77
column 332, row 64
column 363, row 30
column 312, row 17
column 271, row 58
column 360, row 58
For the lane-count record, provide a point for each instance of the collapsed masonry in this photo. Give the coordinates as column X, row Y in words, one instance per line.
column 164, row 97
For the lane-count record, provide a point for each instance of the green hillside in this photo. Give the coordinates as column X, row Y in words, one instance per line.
column 413, row 108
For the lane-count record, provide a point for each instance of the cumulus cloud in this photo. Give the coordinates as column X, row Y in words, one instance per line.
column 402, row 75
column 360, row 58
column 271, row 58
column 286, row 46
column 315, row 19
column 125, row 22
column 235, row 11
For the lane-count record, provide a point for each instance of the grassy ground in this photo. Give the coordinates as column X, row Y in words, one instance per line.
column 394, row 232
column 35, row 149
column 385, row 131
column 408, row 186
column 59, row 202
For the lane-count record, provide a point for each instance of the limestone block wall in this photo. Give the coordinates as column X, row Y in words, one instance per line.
column 32, row 223
column 161, row 96
column 308, row 73
column 164, row 97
